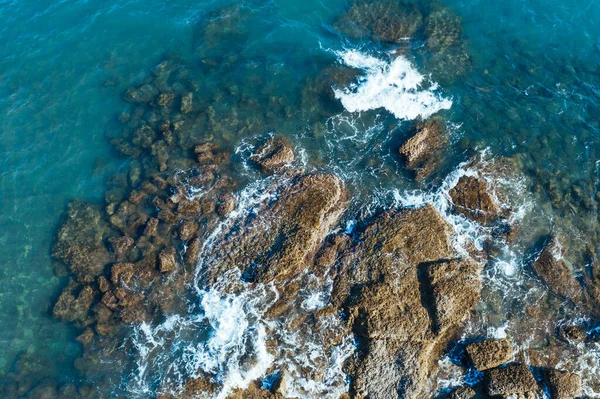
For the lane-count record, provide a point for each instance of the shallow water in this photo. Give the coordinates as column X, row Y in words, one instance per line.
column 533, row 90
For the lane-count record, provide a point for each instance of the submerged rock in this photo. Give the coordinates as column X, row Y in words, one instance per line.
column 471, row 197
column 489, row 353
column 552, row 268
column 275, row 153
column 563, row 385
column 512, row 379
column 442, row 27
column 422, row 151
column 80, row 242
column 74, row 304
column 387, row 20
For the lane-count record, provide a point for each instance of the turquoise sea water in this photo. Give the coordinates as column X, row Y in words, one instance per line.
column 533, row 90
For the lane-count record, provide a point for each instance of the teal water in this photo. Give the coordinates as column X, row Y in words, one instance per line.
column 533, row 90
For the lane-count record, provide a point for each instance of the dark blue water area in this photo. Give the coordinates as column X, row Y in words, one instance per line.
column 533, row 90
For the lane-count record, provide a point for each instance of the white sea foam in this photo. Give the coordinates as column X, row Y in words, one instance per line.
column 395, row 85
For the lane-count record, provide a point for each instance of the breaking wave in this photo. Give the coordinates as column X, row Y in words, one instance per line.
column 395, row 85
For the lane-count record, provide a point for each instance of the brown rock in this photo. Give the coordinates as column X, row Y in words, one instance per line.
column 166, row 260
column 422, row 152
column 490, row 353
column 563, row 385
column 462, row 393
column 103, row 284
column 120, row 245
column 472, row 198
column 401, row 318
column 225, row 205
column 455, row 287
column 189, row 208
column 122, row 273
column 187, row 230
column 556, row 273
column 151, row 229
column 296, row 224
column 80, row 241
column 274, row 154
column 512, row 379
column 74, row 304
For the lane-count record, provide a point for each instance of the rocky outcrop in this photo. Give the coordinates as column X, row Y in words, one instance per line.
column 555, row 272
column 80, row 241
column 273, row 154
column 462, row 393
column 512, row 379
column 422, row 151
column 562, row 384
column 409, row 300
column 388, row 21
column 471, row 197
column 490, row 353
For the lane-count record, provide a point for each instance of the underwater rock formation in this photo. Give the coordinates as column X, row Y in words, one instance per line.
column 80, row 243
column 388, row 21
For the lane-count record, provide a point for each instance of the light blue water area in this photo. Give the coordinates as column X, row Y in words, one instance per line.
column 64, row 65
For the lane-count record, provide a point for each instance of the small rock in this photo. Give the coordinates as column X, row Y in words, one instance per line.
column 186, row 103
column 122, row 273
column 489, row 353
column 225, row 205
column 274, row 154
column 555, row 272
column 563, row 385
column 462, row 393
column 422, row 151
column 187, row 230
column 512, row 379
column 103, row 284
column 166, row 260
column 472, row 198
column 572, row 333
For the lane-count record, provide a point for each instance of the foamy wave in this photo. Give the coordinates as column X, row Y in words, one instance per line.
column 395, row 85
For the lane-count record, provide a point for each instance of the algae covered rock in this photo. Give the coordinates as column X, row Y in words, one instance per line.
column 489, row 353
column 386, row 20
column 423, row 151
column 471, row 196
column 512, row 379
column 273, row 154
column 80, row 241
column 442, row 28
column 563, row 385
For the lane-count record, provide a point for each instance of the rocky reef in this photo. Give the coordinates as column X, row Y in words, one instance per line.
column 384, row 299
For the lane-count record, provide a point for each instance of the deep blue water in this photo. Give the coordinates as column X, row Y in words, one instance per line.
column 533, row 90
